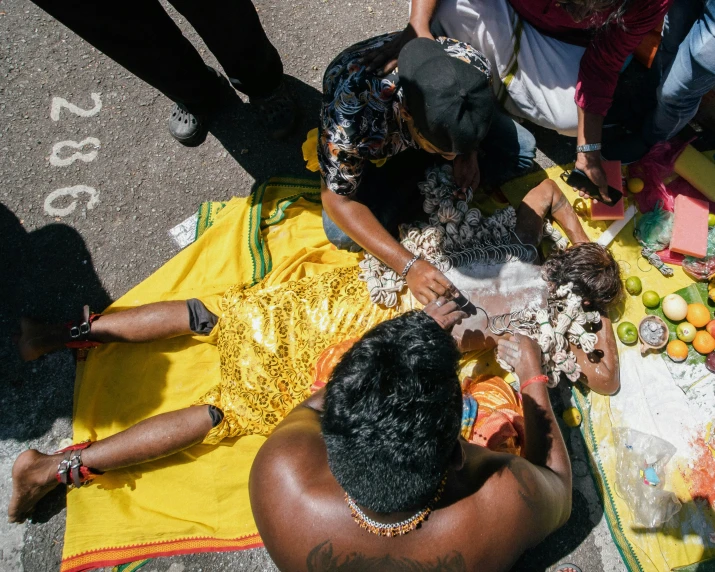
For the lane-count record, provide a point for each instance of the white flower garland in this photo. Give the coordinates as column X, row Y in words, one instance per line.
column 458, row 236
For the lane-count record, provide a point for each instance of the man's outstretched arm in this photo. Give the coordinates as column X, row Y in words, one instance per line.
column 357, row 221
column 547, row 200
column 547, row 492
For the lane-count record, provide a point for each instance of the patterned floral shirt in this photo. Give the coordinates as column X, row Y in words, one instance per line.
column 360, row 118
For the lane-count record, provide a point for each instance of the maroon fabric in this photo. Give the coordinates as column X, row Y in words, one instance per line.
column 606, row 49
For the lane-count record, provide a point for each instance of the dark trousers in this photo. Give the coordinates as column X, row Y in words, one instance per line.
column 140, row 36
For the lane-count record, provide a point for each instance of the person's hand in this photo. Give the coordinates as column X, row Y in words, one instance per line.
column 383, row 60
column 426, row 282
column 466, row 171
column 590, row 164
column 445, row 312
column 522, row 353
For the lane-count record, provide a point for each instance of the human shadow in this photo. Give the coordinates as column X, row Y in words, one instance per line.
column 564, row 541
column 238, row 129
column 48, row 274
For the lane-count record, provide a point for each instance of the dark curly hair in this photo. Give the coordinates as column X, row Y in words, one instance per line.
column 593, row 271
column 393, row 412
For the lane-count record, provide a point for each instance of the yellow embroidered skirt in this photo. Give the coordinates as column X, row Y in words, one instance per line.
column 269, row 340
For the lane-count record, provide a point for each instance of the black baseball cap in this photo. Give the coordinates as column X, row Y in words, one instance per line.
column 450, row 100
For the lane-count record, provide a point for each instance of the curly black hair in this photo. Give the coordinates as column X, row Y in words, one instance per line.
column 392, row 414
column 591, row 268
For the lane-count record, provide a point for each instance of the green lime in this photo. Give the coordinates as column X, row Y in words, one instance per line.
column 627, row 333
column 650, row 299
column 711, row 219
column 634, row 286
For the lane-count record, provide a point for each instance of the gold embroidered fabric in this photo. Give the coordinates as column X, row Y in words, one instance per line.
column 269, row 340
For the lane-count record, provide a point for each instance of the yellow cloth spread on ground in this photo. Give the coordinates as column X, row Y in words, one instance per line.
column 652, row 402
column 198, row 500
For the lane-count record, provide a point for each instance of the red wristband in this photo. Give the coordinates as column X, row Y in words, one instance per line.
column 536, row 379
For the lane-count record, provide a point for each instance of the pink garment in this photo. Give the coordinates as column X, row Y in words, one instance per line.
column 652, row 169
column 606, row 50
column 656, row 166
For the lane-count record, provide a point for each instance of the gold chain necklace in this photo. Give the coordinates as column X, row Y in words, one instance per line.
column 398, row 528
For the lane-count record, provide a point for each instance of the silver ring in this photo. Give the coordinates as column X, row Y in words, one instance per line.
column 439, row 302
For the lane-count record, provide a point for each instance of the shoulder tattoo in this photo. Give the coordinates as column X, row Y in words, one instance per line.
column 323, row 559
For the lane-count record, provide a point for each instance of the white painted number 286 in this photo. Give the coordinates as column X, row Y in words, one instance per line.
column 56, row 160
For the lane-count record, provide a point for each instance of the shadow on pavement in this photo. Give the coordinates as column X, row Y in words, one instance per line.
column 48, row 274
column 239, row 130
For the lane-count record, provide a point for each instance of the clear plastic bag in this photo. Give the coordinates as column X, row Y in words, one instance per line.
column 702, row 268
column 640, row 473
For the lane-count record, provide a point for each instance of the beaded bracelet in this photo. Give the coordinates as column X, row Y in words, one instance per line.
column 409, row 264
column 536, row 379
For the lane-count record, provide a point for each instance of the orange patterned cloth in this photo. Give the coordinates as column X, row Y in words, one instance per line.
column 500, row 419
column 499, row 425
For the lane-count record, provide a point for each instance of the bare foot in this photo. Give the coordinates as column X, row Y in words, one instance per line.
column 36, row 339
column 33, row 476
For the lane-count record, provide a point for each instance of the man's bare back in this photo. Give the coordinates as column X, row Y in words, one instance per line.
column 493, row 509
column 494, row 505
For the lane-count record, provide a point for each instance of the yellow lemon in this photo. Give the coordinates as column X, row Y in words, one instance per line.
column 572, row 417
column 635, row 185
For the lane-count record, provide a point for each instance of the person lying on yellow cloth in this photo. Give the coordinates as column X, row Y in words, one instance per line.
column 375, row 468
column 269, row 339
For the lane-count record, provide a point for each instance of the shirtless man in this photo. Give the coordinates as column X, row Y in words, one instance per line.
column 384, row 435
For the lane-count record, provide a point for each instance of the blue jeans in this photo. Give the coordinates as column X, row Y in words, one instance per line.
column 391, row 193
column 686, row 62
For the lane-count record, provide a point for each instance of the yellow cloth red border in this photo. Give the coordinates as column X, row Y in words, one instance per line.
column 112, row 556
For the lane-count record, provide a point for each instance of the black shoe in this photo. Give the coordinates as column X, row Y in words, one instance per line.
column 627, row 150
column 187, row 128
column 277, row 111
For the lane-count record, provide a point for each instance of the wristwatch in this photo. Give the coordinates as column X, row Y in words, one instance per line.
column 588, row 148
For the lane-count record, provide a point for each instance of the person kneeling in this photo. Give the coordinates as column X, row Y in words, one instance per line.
column 373, row 471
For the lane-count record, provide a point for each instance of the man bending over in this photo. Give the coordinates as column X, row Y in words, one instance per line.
column 375, row 476
column 439, row 104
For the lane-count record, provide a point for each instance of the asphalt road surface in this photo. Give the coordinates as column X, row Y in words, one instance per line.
column 62, row 248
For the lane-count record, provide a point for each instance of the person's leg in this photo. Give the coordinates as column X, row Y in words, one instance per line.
column 233, row 32
column 678, row 21
column 691, row 76
column 140, row 36
column 507, row 151
column 158, row 321
column 35, row 474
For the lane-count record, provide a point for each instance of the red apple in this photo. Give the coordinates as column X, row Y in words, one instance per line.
column 710, row 327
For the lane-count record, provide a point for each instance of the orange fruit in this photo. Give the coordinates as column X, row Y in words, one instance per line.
column 677, row 350
column 698, row 315
column 704, row 343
